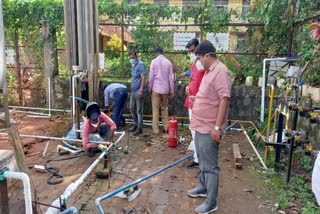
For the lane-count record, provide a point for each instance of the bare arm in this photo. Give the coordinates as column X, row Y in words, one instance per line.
column 222, row 111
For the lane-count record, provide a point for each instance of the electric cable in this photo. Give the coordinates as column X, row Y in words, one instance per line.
column 55, row 170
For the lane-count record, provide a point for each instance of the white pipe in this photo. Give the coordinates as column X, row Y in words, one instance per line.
column 74, row 100
column 39, row 116
column 35, row 108
column 74, row 185
column 26, row 187
column 254, row 148
column 49, row 86
column 67, row 149
column 30, row 112
column 55, row 138
column 45, row 148
column 264, row 84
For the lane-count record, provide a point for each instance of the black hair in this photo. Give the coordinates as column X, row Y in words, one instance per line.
column 194, row 42
column 158, row 50
column 134, row 52
column 206, row 47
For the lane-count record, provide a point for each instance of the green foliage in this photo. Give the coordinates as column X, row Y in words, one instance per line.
column 26, row 17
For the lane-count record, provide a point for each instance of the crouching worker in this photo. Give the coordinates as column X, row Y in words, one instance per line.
column 97, row 126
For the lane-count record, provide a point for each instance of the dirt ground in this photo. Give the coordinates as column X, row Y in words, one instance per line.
column 239, row 193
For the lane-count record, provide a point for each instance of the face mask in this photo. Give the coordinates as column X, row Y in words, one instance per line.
column 133, row 61
column 192, row 57
column 95, row 125
column 199, row 65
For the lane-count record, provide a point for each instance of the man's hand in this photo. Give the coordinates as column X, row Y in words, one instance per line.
column 187, row 91
column 182, row 75
column 140, row 94
column 171, row 95
column 191, row 100
column 215, row 135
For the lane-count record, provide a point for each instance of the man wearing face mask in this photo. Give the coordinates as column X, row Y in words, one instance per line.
column 196, row 75
column 138, row 71
column 209, row 118
column 96, row 122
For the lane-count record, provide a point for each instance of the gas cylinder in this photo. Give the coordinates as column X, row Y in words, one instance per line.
column 173, row 132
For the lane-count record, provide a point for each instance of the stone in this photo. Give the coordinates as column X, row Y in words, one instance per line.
column 315, row 93
column 260, row 82
column 249, row 81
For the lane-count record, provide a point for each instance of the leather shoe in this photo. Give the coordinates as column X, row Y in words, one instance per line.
column 137, row 132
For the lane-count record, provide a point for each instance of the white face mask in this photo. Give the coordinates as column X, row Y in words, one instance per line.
column 199, row 65
column 95, row 125
column 192, row 57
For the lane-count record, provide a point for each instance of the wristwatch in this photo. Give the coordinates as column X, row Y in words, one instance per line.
column 216, row 128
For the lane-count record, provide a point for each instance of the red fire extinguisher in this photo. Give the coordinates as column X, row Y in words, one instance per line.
column 173, row 132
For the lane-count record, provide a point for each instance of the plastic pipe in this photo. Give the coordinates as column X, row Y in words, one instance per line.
column 35, row 108
column 102, row 198
column 74, row 185
column 57, row 138
column 26, row 187
column 70, row 210
column 49, row 86
column 253, row 147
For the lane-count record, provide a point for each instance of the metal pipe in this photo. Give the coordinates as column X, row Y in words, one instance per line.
column 2, row 50
column 74, row 100
column 253, row 147
column 102, row 198
column 74, row 185
column 264, row 84
column 26, row 187
column 70, row 210
column 35, row 108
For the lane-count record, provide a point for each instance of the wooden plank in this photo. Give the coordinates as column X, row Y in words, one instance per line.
column 237, row 156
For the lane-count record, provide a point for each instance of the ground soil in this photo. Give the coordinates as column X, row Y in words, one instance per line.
column 240, row 190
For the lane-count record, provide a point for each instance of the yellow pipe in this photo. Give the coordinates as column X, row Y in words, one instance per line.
column 270, row 110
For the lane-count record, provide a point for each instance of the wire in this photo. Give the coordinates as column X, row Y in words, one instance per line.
column 120, row 173
column 55, row 170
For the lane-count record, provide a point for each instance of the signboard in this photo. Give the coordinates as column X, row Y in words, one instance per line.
column 219, row 40
column 10, row 59
column 180, row 40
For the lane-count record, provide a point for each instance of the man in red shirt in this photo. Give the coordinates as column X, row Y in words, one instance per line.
column 96, row 122
column 196, row 75
column 209, row 118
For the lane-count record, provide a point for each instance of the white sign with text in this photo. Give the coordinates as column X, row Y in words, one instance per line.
column 180, row 40
column 219, row 40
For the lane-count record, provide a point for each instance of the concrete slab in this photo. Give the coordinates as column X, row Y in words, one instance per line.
column 7, row 159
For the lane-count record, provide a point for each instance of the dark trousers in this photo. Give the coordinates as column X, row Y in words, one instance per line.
column 119, row 100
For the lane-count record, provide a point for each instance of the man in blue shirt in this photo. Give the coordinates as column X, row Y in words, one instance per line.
column 138, row 91
column 119, row 93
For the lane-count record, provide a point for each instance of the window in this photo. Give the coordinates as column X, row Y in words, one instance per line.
column 241, row 39
column 133, row 1
column 161, row 2
column 221, row 4
column 188, row 3
column 245, row 7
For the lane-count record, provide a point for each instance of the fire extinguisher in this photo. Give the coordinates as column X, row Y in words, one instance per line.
column 173, row 132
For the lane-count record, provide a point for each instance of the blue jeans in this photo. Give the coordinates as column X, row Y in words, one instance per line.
column 208, row 151
column 102, row 134
column 136, row 109
column 119, row 98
